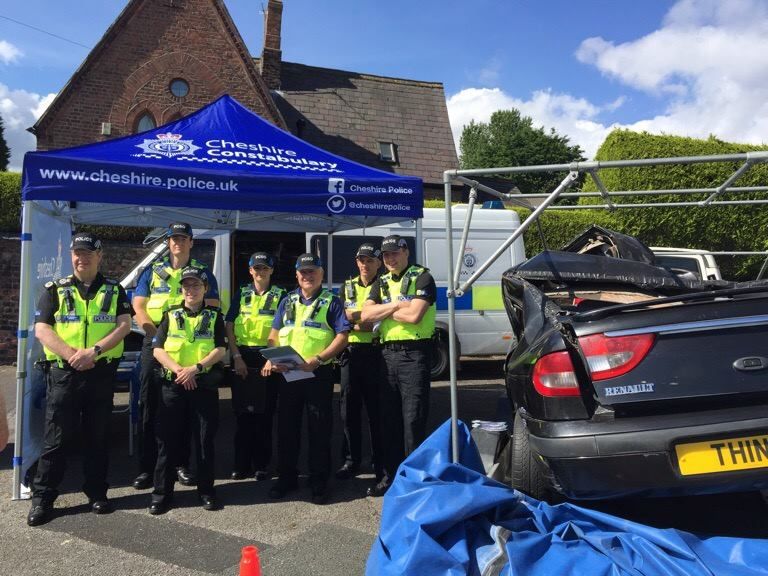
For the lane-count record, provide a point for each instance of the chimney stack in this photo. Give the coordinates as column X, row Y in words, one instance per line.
column 271, row 55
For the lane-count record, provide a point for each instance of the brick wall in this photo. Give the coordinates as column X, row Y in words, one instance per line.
column 119, row 257
column 129, row 73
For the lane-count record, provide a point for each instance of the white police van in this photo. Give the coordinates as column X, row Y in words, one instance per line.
column 482, row 327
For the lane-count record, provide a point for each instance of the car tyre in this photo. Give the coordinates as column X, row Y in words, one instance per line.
column 440, row 369
column 525, row 471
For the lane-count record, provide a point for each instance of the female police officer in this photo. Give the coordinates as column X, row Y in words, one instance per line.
column 189, row 345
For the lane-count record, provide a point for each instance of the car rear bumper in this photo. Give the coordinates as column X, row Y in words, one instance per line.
column 636, row 456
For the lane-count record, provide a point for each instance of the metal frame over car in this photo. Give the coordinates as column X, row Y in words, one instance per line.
column 629, row 378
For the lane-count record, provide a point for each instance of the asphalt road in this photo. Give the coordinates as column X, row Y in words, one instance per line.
column 295, row 537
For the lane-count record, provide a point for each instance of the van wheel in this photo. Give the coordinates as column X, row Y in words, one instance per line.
column 525, row 472
column 441, row 356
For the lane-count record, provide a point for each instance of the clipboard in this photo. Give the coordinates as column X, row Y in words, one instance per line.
column 287, row 355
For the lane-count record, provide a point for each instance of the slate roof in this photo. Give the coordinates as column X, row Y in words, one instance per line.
column 349, row 113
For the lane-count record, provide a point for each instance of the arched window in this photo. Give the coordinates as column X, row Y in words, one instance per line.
column 145, row 122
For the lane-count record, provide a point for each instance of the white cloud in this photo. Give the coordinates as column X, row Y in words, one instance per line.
column 707, row 64
column 709, row 59
column 572, row 117
column 9, row 53
column 20, row 110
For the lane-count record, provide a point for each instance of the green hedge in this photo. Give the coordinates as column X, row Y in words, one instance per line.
column 10, row 200
column 716, row 228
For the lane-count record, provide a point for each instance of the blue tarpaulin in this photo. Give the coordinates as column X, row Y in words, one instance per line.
column 221, row 157
column 441, row 518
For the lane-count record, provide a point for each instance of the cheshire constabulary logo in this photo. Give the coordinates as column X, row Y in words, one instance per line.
column 168, row 145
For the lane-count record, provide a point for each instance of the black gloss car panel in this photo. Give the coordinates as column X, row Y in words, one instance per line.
column 704, row 378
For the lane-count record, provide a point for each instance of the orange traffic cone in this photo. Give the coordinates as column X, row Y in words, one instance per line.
column 249, row 562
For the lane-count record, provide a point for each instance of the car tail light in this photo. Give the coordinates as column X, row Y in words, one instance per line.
column 553, row 375
column 608, row 357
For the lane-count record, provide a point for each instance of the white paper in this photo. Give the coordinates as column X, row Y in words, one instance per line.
column 289, row 356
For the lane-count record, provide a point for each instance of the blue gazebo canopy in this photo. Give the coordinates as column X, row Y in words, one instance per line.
column 222, row 158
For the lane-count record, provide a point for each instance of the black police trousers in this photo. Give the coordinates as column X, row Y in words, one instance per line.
column 360, row 374
column 254, row 400
column 76, row 401
column 200, row 407
column 149, row 398
column 404, row 400
column 316, row 396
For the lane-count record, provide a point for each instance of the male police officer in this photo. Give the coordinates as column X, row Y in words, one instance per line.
column 189, row 344
column 254, row 397
column 360, row 368
column 81, row 321
column 311, row 320
column 157, row 289
column 403, row 300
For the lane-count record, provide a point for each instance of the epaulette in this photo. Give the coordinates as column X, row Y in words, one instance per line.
column 66, row 281
column 49, row 285
column 110, row 282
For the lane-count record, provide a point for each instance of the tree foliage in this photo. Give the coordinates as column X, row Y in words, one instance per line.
column 5, row 152
column 510, row 139
column 715, row 228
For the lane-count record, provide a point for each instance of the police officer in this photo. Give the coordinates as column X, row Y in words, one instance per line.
column 311, row 320
column 81, row 321
column 403, row 300
column 254, row 397
column 189, row 345
column 360, row 368
column 157, row 289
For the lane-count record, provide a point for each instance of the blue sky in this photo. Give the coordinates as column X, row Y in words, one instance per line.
column 690, row 67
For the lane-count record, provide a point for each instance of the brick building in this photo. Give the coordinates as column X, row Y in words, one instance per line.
column 162, row 59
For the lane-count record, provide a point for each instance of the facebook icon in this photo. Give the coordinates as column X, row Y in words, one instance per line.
column 336, row 185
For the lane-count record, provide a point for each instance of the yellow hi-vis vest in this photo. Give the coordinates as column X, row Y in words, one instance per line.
column 190, row 338
column 306, row 328
column 82, row 323
column 404, row 289
column 355, row 296
column 253, row 323
column 165, row 287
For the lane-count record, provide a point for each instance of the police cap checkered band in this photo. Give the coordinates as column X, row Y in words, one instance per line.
column 194, row 272
column 180, row 229
column 393, row 243
column 308, row 260
column 85, row 242
column 261, row 259
column 369, row 250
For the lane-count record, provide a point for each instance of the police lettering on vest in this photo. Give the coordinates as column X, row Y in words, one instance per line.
column 405, row 289
column 254, row 322
column 165, row 288
column 305, row 327
column 82, row 323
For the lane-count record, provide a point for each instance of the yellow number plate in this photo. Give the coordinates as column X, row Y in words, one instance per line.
column 723, row 455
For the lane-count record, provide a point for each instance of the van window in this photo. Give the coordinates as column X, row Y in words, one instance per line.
column 284, row 246
column 344, row 249
column 680, row 262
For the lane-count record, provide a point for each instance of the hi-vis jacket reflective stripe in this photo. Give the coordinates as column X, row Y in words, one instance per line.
column 165, row 287
column 405, row 289
column 190, row 338
column 254, row 322
column 306, row 328
column 81, row 323
column 355, row 297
